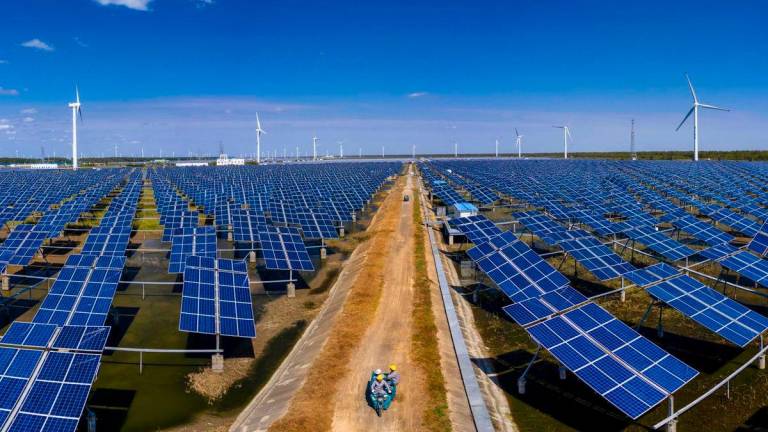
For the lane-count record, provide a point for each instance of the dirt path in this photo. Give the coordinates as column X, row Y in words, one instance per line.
column 386, row 341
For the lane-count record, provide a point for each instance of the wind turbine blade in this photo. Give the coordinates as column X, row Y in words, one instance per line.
column 516, row 133
column 693, row 92
column 686, row 118
column 77, row 94
column 80, row 113
column 559, row 127
column 713, row 107
column 568, row 132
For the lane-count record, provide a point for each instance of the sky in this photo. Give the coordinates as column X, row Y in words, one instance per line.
column 181, row 77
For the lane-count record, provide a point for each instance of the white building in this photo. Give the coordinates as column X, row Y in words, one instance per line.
column 224, row 160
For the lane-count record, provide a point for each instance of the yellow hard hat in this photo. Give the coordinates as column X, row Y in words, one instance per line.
column 379, row 377
column 393, row 367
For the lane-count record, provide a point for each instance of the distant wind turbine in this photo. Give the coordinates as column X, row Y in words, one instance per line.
column 341, row 149
column 455, row 148
column 695, row 111
column 75, row 113
column 519, row 140
column 259, row 131
column 314, row 147
column 566, row 135
column 497, row 147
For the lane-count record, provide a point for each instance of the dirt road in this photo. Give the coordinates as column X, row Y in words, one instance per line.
column 386, row 341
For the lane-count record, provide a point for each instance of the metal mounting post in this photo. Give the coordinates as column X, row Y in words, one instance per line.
column 761, row 359
column 660, row 327
column 522, row 381
column 645, row 316
column 623, row 291
column 672, row 425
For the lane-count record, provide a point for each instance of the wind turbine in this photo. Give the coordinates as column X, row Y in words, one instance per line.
column 497, row 147
column 413, row 151
column 314, row 147
column 75, row 112
column 341, row 149
column 695, row 111
column 519, row 140
column 455, row 149
column 566, row 135
column 259, row 131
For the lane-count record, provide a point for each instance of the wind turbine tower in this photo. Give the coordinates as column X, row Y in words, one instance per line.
column 566, row 135
column 695, row 111
column 413, row 151
column 314, row 147
column 455, row 149
column 259, row 131
column 75, row 113
column 497, row 147
column 519, row 140
column 632, row 153
column 341, row 149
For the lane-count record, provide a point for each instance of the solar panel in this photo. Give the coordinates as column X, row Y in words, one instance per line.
column 246, row 225
column 283, row 249
column 719, row 251
column 759, row 242
column 182, row 219
column 57, row 395
column 747, row 265
column 477, row 228
column 660, row 243
column 16, row 367
column 528, row 311
column 29, row 334
column 734, row 220
column 700, row 230
column 599, row 260
column 199, row 241
column 720, row 314
column 22, row 243
column 208, row 280
column 82, row 338
column 316, row 224
column 107, row 240
column 601, row 225
column 515, row 268
column 625, row 368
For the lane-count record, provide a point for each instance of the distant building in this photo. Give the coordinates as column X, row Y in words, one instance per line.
column 36, row 166
column 191, row 164
column 224, row 160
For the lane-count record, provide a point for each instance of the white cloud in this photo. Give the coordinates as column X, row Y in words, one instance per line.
column 28, row 111
column 8, row 92
column 3, row 61
column 37, row 44
column 415, row 95
column 28, row 119
column 142, row 5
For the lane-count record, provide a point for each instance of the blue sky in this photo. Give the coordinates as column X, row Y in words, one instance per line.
column 182, row 75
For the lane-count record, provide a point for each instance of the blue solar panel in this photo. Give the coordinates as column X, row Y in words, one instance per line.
column 57, row 396
column 747, row 265
column 528, row 311
column 316, row 224
column 717, row 252
column 698, row 229
column 82, row 338
column 660, row 243
column 16, row 367
column 246, row 225
column 724, row 316
column 476, row 228
column 176, row 220
column 205, row 281
column 283, row 249
column 199, row 241
column 515, row 268
column 29, row 334
column 626, row 369
column 759, row 242
column 600, row 260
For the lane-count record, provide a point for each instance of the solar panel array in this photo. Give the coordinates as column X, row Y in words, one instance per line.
column 216, row 298
column 198, row 241
column 283, row 249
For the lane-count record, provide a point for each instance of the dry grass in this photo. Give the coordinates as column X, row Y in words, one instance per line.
column 214, row 385
column 312, row 406
column 424, row 345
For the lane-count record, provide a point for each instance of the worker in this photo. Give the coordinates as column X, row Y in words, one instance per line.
column 393, row 376
column 380, row 386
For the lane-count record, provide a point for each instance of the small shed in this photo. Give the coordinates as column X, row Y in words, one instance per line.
column 462, row 209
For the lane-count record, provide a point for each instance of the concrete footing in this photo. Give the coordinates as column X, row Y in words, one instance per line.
column 761, row 362
column 341, row 232
column 230, row 235
column 323, row 253
column 291, row 290
column 623, row 296
column 252, row 256
column 672, row 426
column 217, row 363
column 521, row 385
column 6, row 281
column 563, row 372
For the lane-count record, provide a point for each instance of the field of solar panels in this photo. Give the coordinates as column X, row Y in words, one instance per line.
column 150, row 298
column 611, row 295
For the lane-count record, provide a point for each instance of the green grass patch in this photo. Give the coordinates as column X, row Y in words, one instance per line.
column 424, row 347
